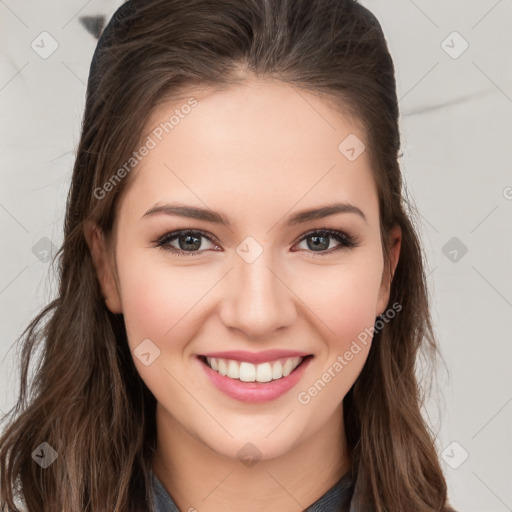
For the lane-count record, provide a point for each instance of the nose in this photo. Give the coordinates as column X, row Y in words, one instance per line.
column 257, row 301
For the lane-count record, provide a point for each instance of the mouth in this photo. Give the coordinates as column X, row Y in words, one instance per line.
column 244, row 371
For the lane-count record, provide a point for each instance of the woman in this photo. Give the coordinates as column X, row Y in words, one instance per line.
column 251, row 374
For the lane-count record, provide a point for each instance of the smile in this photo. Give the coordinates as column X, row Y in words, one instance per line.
column 248, row 372
column 260, row 381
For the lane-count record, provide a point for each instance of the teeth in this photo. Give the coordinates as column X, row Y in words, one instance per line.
column 263, row 372
column 248, row 372
column 277, row 370
column 287, row 368
column 223, row 367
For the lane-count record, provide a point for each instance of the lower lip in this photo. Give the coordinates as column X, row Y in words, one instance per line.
column 255, row 392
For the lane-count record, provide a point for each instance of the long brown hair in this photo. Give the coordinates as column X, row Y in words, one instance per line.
column 86, row 399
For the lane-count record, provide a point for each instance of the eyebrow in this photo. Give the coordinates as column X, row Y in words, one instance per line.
column 194, row 212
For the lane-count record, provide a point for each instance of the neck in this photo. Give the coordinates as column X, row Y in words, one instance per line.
column 199, row 478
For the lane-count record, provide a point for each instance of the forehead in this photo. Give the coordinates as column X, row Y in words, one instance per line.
column 262, row 146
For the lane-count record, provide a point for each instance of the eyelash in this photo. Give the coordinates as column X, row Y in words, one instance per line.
column 346, row 241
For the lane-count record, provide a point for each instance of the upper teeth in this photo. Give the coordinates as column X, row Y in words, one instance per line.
column 248, row 372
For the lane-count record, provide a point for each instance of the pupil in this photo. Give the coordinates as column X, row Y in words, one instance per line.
column 188, row 244
column 317, row 242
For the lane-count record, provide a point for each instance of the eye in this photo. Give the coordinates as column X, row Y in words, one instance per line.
column 319, row 241
column 188, row 241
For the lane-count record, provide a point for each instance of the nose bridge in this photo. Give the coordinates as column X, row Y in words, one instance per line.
column 257, row 301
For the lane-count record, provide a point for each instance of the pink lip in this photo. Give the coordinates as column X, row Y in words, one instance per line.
column 255, row 392
column 256, row 357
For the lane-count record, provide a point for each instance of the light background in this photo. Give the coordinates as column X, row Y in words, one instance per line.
column 456, row 139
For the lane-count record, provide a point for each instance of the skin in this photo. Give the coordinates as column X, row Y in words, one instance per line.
column 257, row 153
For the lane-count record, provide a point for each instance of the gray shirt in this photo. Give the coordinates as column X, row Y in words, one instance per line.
column 329, row 502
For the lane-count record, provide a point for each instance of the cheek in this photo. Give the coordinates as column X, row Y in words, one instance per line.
column 345, row 307
column 162, row 302
column 158, row 300
column 343, row 297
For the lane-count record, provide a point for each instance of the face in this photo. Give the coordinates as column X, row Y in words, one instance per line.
column 263, row 287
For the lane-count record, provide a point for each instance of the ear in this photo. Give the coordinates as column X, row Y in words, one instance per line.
column 395, row 240
column 104, row 272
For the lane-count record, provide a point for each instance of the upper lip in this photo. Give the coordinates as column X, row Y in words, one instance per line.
column 256, row 357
